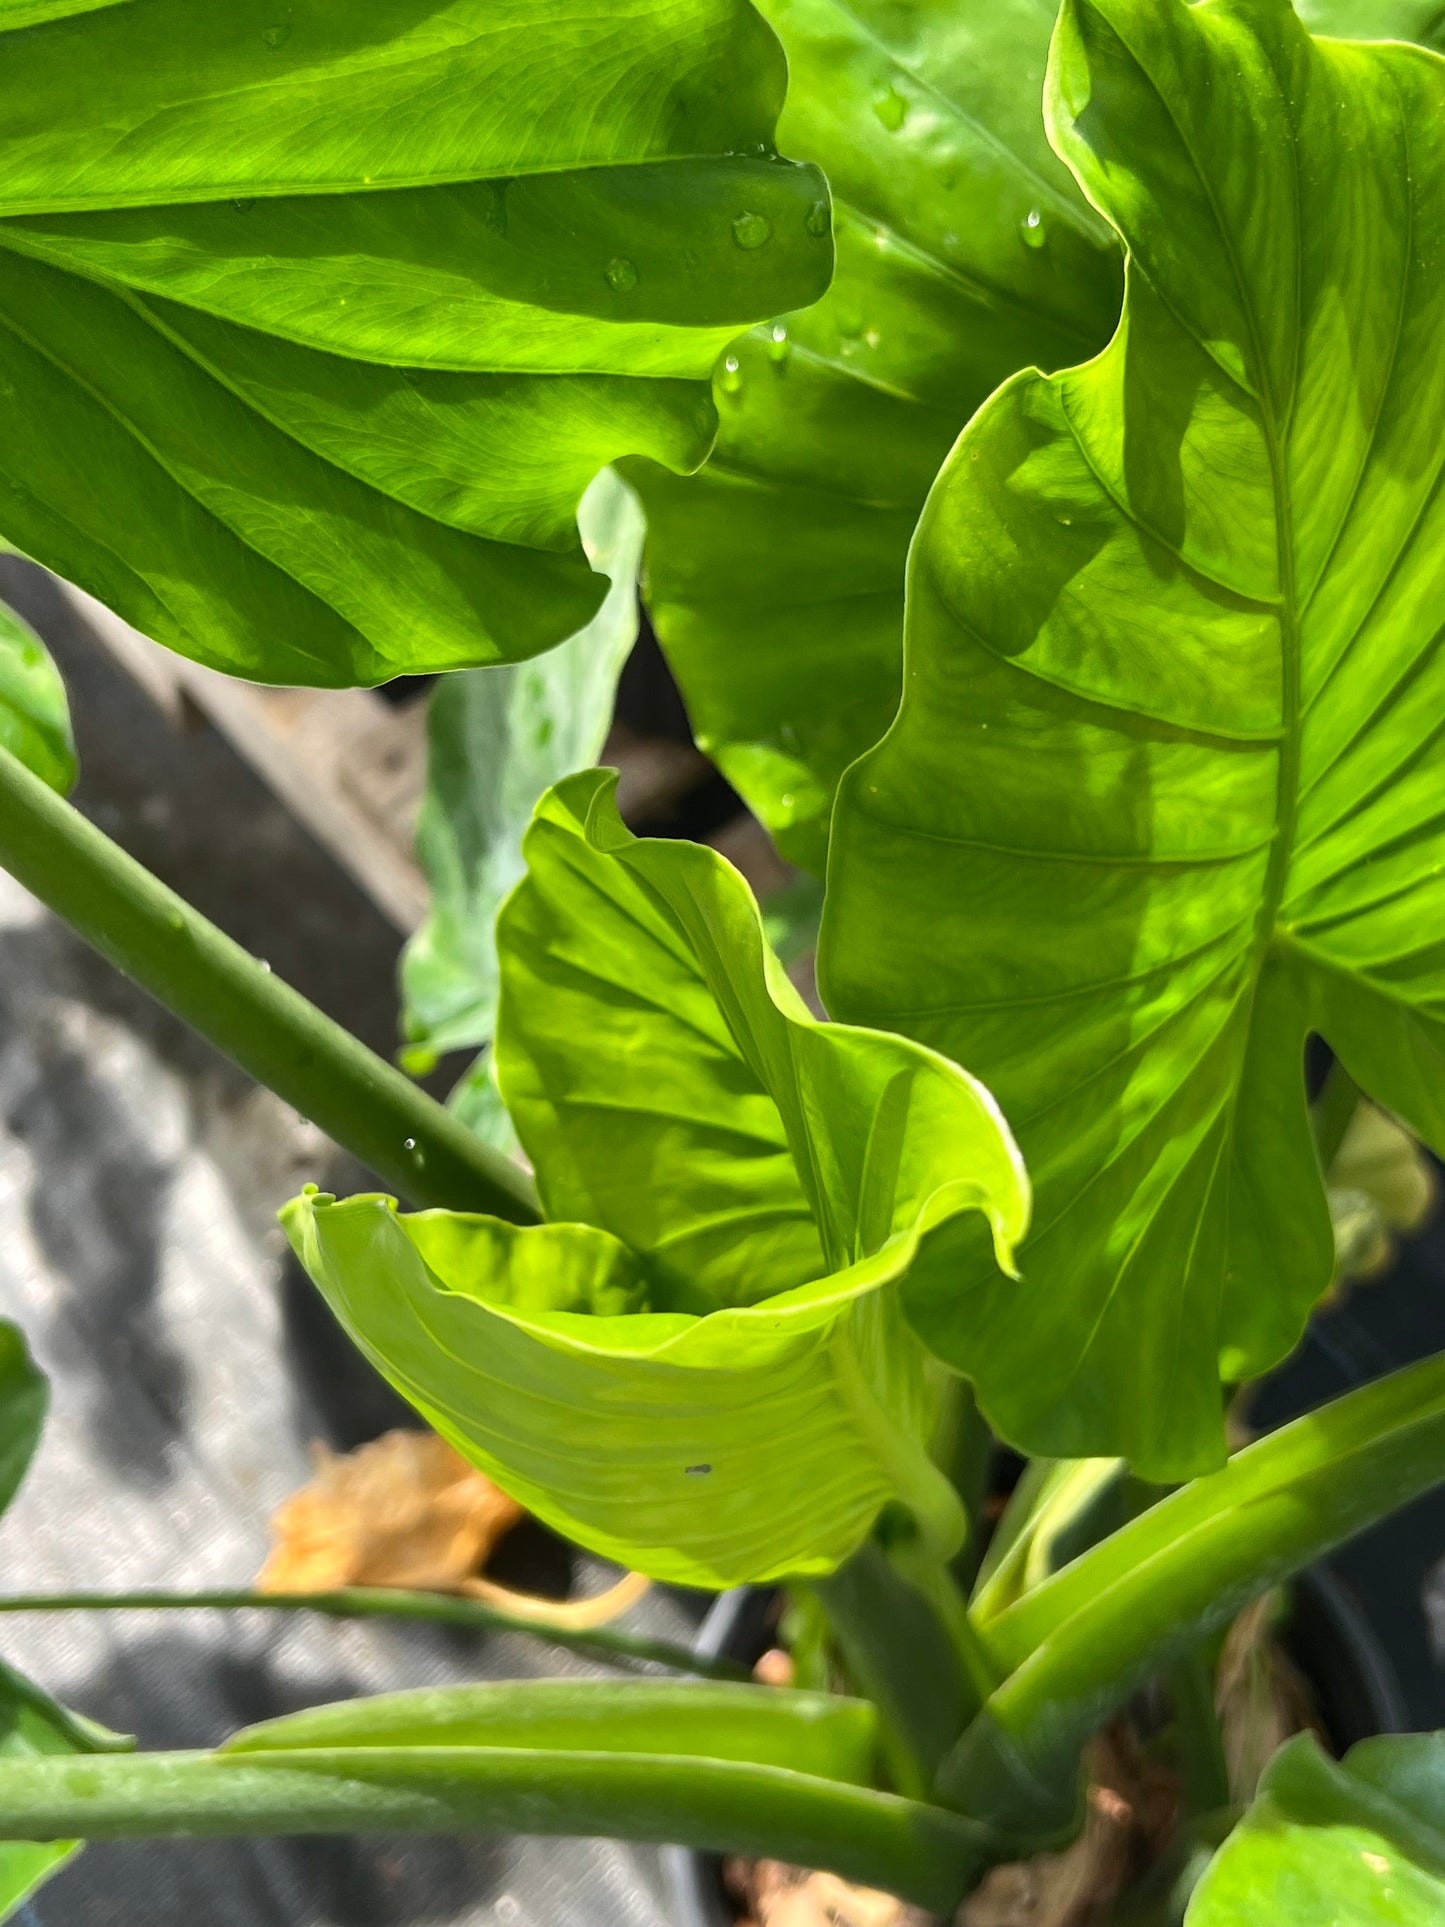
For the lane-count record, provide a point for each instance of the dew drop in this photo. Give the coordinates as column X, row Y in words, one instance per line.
column 752, row 230
column 244, row 206
column 175, row 921
column 779, row 346
column 408, row 1144
column 277, row 36
column 817, row 221
column 265, row 965
column 892, row 109
column 730, row 376
column 697, row 1471
column 621, row 273
column 1031, row 227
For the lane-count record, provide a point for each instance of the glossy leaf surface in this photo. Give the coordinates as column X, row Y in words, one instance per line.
column 1361, row 1840
column 34, row 715
column 701, row 1366
column 1163, row 793
column 965, row 251
column 347, row 306
column 497, row 738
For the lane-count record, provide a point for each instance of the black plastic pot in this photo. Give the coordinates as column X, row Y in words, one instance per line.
column 1357, row 1690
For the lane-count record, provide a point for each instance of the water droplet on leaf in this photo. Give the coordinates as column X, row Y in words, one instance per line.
column 892, row 109
column 265, row 966
column 277, row 36
column 817, row 221
column 1031, row 227
column 752, row 230
column 779, row 346
column 621, row 273
column 730, row 379
column 244, row 206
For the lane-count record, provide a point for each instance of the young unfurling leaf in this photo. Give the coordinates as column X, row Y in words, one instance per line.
column 702, row 1367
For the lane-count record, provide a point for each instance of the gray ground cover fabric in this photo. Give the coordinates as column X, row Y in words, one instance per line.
column 191, row 1365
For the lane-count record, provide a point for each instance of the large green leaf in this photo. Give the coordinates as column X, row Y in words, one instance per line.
column 496, row 739
column 775, row 577
column 1163, row 793
column 316, row 321
column 34, row 715
column 1361, row 1841
column 701, row 1366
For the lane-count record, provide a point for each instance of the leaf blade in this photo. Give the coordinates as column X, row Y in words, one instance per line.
column 1154, row 800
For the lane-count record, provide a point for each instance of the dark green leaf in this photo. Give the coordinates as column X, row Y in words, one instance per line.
column 1163, row 794
column 497, row 738
column 24, row 1396
column 775, row 578
column 34, row 715
column 1361, row 1841
column 332, row 432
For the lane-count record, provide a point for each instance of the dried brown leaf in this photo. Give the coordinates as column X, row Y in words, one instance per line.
column 405, row 1510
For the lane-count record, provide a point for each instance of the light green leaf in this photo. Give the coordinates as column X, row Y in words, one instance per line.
column 333, row 432
column 1359, row 1841
column 1163, row 794
column 497, row 738
column 965, row 252
column 819, row 1733
column 707, row 1375
column 737, row 1145
column 34, row 715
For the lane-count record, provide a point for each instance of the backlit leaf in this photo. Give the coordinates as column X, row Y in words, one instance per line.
column 1163, row 796
column 701, row 1367
column 775, row 577
column 316, row 321
column 34, row 715
column 1361, row 1841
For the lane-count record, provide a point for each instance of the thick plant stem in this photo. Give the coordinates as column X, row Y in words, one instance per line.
column 412, row 1143
column 908, row 1653
column 1201, row 1743
column 387, row 1602
column 717, row 1805
column 1074, row 1647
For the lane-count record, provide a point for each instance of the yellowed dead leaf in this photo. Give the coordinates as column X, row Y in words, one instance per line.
column 777, row 1895
column 405, row 1510
column 408, row 1510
